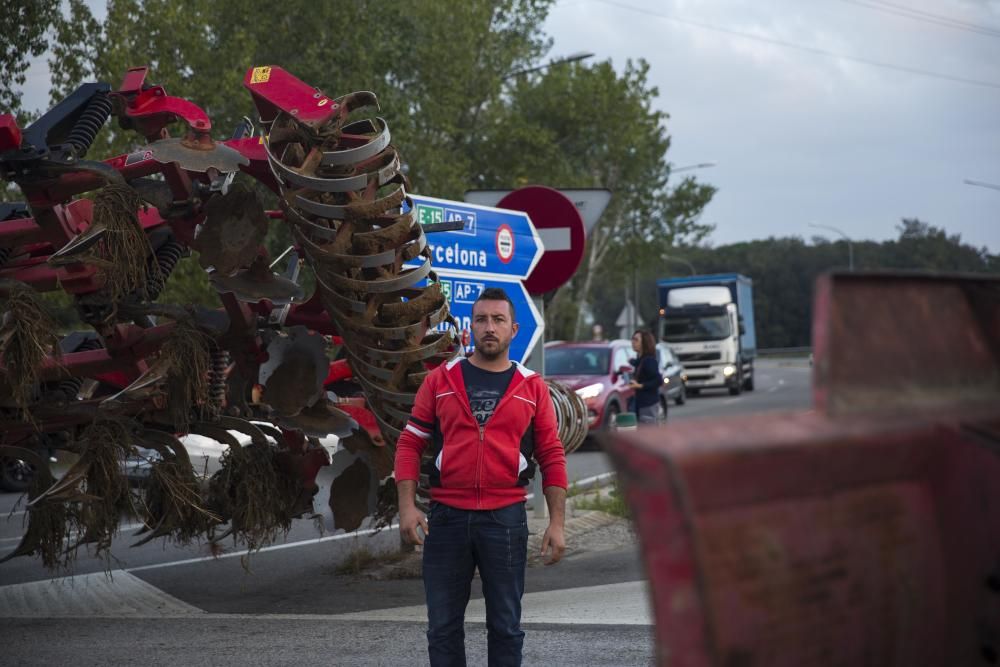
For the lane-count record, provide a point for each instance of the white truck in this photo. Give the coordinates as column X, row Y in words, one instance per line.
column 709, row 322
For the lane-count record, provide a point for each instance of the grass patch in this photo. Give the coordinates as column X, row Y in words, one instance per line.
column 610, row 501
column 361, row 560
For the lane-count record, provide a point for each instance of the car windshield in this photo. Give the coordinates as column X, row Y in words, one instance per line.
column 709, row 327
column 577, row 361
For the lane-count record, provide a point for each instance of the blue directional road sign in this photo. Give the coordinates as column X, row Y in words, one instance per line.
column 462, row 290
column 494, row 240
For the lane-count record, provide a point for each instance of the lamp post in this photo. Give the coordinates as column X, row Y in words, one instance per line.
column 850, row 246
column 671, row 258
column 571, row 58
column 700, row 165
column 982, row 184
column 635, row 272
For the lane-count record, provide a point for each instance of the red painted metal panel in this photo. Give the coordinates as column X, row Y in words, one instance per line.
column 863, row 534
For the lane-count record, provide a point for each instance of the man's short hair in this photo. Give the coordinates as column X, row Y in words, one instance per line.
column 495, row 294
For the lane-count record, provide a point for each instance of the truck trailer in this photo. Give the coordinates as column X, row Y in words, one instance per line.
column 709, row 322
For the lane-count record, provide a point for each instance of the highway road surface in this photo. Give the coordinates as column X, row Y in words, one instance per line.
column 181, row 606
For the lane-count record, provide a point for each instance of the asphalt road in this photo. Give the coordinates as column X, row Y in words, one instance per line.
column 179, row 605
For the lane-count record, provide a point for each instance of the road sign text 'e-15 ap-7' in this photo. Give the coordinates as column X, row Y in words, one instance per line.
column 492, row 241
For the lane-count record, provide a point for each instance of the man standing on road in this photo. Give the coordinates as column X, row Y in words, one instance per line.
column 485, row 419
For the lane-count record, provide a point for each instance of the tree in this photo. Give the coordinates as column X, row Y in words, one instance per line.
column 27, row 32
column 443, row 74
column 588, row 126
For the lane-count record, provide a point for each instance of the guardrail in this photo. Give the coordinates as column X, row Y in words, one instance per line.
column 784, row 351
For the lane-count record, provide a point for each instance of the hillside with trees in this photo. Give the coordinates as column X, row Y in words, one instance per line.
column 785, row 269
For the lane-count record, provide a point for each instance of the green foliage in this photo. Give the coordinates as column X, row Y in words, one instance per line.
column 27, row 26
column 447, row 78
column 611, row 501
column 784, row 271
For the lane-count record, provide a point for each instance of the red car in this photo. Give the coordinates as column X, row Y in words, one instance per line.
column 598, row 372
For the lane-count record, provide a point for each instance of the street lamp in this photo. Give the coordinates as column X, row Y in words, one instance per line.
column 700, row 165
column 982, row 184
column 571, row 58
column 850, row 246
column 672, row 258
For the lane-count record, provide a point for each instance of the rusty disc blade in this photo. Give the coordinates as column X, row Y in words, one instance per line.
column 232, row 233
column 319, row 420
column 294, row 371
column 218, row 156
column 257, row 284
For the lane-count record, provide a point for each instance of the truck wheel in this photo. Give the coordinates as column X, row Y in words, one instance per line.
column 748, row 383
column 736, row 388
column 681, row 397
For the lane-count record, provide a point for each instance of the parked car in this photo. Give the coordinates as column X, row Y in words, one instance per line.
column 674, row 378
column 599, row 372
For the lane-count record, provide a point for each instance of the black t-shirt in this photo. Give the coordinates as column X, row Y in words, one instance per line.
column 484, row 389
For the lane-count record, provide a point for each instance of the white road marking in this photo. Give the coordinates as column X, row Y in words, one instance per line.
column 730, row 400
column 87, row 595
column 274, row 547
column 609, row 604
column 772, row 390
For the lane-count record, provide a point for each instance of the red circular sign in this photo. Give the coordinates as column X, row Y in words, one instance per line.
column 505, row 243
column 563, row 235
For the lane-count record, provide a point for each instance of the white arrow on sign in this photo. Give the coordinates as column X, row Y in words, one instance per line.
column 590, row 203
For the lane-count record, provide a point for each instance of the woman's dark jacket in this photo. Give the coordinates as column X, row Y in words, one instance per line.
column 647, row 373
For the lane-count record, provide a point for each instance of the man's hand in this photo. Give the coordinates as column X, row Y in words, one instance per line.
column 410, row 518
column 554, row 541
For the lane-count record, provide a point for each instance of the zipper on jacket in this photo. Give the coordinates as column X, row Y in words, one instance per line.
column 479, row 466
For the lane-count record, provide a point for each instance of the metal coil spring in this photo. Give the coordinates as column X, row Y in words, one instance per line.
column 91, row 121
column 167, row 257
column 217, row 380
column 571, row 415
column 70, row 387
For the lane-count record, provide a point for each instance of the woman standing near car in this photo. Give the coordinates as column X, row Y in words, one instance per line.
column 647, row 379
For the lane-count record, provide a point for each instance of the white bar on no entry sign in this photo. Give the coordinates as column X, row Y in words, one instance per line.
column 556, row 238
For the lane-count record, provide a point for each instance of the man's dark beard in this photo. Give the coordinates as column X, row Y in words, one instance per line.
column 493, row 356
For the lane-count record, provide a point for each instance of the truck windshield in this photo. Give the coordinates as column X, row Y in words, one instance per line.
column 577, row 361
column 690, row 328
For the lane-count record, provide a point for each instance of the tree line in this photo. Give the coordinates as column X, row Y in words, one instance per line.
column 784, row 271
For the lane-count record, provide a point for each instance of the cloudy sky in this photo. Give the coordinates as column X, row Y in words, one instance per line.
column 801, row 138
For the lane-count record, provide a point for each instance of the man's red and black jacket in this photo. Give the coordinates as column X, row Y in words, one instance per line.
column 481, row 468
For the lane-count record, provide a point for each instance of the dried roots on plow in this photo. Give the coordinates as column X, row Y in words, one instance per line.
column 27, row 335
column 85, row 505
column 346, row 202
column 253, row 490
column 115, row 243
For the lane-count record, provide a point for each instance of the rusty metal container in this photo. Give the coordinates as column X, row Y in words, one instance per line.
column 863, row 532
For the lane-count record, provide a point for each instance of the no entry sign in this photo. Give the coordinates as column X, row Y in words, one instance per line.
column 561, row 229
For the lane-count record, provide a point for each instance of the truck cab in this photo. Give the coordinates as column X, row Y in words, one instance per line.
column 708, row 320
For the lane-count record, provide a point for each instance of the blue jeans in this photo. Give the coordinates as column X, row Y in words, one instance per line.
column 496, row 542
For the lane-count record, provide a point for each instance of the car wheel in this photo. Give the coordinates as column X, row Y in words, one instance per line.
column 664, row 412
column 610, row 412
column 748, row 382
column 681, row 397
column 15, row 474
